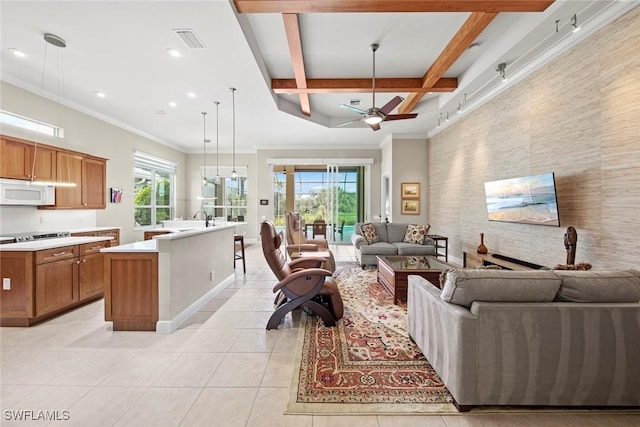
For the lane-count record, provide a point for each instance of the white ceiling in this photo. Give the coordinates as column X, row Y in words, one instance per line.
column 120, row 48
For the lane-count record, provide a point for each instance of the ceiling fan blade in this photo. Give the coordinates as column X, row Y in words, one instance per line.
column 400, row 116
column 389, row 106
column 375, row 126
column 354, row 109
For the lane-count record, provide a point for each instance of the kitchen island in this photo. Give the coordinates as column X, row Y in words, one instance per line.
column 157, row 284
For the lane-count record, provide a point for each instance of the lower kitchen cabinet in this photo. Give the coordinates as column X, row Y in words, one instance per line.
column 49, row 282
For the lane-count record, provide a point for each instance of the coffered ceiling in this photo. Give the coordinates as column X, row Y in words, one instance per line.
column 293, row 62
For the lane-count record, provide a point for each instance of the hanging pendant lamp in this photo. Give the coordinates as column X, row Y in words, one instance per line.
column 216, row 180
column 59, row 42
column 204, row 148
column 234, row 174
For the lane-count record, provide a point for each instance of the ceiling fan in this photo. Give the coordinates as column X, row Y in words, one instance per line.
column 374, row 116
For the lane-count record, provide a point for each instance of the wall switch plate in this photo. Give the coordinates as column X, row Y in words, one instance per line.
column 212, row 276
column 6, row 283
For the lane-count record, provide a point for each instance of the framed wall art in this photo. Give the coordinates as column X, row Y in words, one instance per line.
column 410, row 207
column 410, row 190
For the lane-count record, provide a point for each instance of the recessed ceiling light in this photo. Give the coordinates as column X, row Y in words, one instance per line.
column 18, row 53
column 473, row 46
column 159, row 112
column 174, row 52
column 192, row 95
column 100, row 94
column 173, row 104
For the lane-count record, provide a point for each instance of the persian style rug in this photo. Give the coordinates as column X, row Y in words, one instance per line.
column 367, row 364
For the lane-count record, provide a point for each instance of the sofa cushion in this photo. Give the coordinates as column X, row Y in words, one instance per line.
column 379, row 248
column 463, row 287
column 396, row 232
column 599, row 286
column 416, row 233
column 369, row 232
column 414, row 249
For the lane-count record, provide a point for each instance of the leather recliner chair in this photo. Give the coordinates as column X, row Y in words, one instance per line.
column 297, row 241
column 301, row 282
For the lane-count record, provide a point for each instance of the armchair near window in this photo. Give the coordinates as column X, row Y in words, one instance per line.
column 297, row 241
column 301, row 283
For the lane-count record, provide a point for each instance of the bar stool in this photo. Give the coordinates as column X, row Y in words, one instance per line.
column 238, row 247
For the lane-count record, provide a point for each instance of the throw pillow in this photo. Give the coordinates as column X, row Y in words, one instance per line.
column 369, row 233
column 416, row 233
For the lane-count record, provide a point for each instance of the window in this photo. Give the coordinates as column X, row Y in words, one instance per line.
column 228, row 199
column 7, row 118
column 154, row 190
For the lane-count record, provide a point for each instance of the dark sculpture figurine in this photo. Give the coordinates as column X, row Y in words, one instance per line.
column 570, row 241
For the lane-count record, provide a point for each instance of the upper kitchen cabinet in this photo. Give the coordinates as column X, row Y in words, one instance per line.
column 89, row 175
column 20, row 159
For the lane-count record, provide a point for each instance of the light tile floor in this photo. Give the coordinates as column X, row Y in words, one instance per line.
column 221, row 369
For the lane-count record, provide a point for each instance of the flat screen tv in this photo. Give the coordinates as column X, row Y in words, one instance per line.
column 527, row 200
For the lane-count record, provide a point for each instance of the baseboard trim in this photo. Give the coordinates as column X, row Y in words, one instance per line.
column 170, row 326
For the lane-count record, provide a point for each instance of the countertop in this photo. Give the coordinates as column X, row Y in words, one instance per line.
column 151, row 245
column 38, row 245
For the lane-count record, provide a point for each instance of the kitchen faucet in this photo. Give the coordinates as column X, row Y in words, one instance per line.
column 207, row 218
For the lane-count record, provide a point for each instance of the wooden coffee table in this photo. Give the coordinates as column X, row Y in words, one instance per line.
column 393, row 272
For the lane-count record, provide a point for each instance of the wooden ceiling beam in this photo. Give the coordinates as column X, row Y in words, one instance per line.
column 470, row 30
column 389, row 6
column 389, row 85
column 292, row 29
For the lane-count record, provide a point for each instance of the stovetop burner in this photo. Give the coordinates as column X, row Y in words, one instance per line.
column 36, row 235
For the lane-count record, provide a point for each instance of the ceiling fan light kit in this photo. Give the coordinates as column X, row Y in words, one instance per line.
column 374, row 116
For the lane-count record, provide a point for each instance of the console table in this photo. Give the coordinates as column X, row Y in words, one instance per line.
column 474, row 260
column 444, row 245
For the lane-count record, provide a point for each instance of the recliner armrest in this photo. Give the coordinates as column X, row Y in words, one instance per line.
column 306, row 262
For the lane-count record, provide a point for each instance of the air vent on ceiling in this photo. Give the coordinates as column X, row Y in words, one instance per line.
column 355, row 102
column 190, row 39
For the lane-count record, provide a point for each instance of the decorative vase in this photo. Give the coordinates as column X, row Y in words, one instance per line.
column 482, row 249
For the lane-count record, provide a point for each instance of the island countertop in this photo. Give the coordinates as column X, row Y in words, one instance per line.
column 151, row 245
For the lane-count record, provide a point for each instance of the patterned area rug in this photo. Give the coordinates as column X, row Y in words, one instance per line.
column 367, row 364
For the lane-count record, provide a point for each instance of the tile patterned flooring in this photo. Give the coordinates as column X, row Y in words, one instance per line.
column 221, row 369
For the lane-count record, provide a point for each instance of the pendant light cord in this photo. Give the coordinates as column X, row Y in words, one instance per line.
column 233, row 106
column 217, row 140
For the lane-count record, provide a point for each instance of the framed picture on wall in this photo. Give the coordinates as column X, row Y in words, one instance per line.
column 410, row 190
column 411, row 207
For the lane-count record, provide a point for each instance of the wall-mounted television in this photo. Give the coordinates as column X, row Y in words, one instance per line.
column 528, row 200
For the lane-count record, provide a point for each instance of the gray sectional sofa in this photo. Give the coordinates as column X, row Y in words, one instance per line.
column 551, row 338
column 391, row 236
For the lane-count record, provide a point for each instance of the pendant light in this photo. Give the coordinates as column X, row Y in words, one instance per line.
column 204, row 148
column 51, row 39
column 234, row 174
column 204, row 159
column 216, row 180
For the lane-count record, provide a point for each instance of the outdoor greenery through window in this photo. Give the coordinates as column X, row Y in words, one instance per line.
column 228, row 199
column 154, row 195
column 311, row 193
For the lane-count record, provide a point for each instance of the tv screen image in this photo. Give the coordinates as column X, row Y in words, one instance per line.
column 528, row 200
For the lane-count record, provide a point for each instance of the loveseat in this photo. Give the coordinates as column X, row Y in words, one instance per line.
column 551, row 338
column 391, row 239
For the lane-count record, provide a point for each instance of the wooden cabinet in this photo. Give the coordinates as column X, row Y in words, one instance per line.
column 148, row 235
column 91, row 270
column 20, row 159
column 88, row 174
column 131, row 291
column 114, row 233
column 50, row 281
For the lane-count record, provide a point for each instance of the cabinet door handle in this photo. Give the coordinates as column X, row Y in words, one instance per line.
column 59, row 253
column 84, row 260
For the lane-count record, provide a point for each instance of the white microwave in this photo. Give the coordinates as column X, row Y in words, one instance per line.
column 17, row 192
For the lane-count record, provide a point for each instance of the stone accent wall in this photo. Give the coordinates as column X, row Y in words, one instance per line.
column 578, row 116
